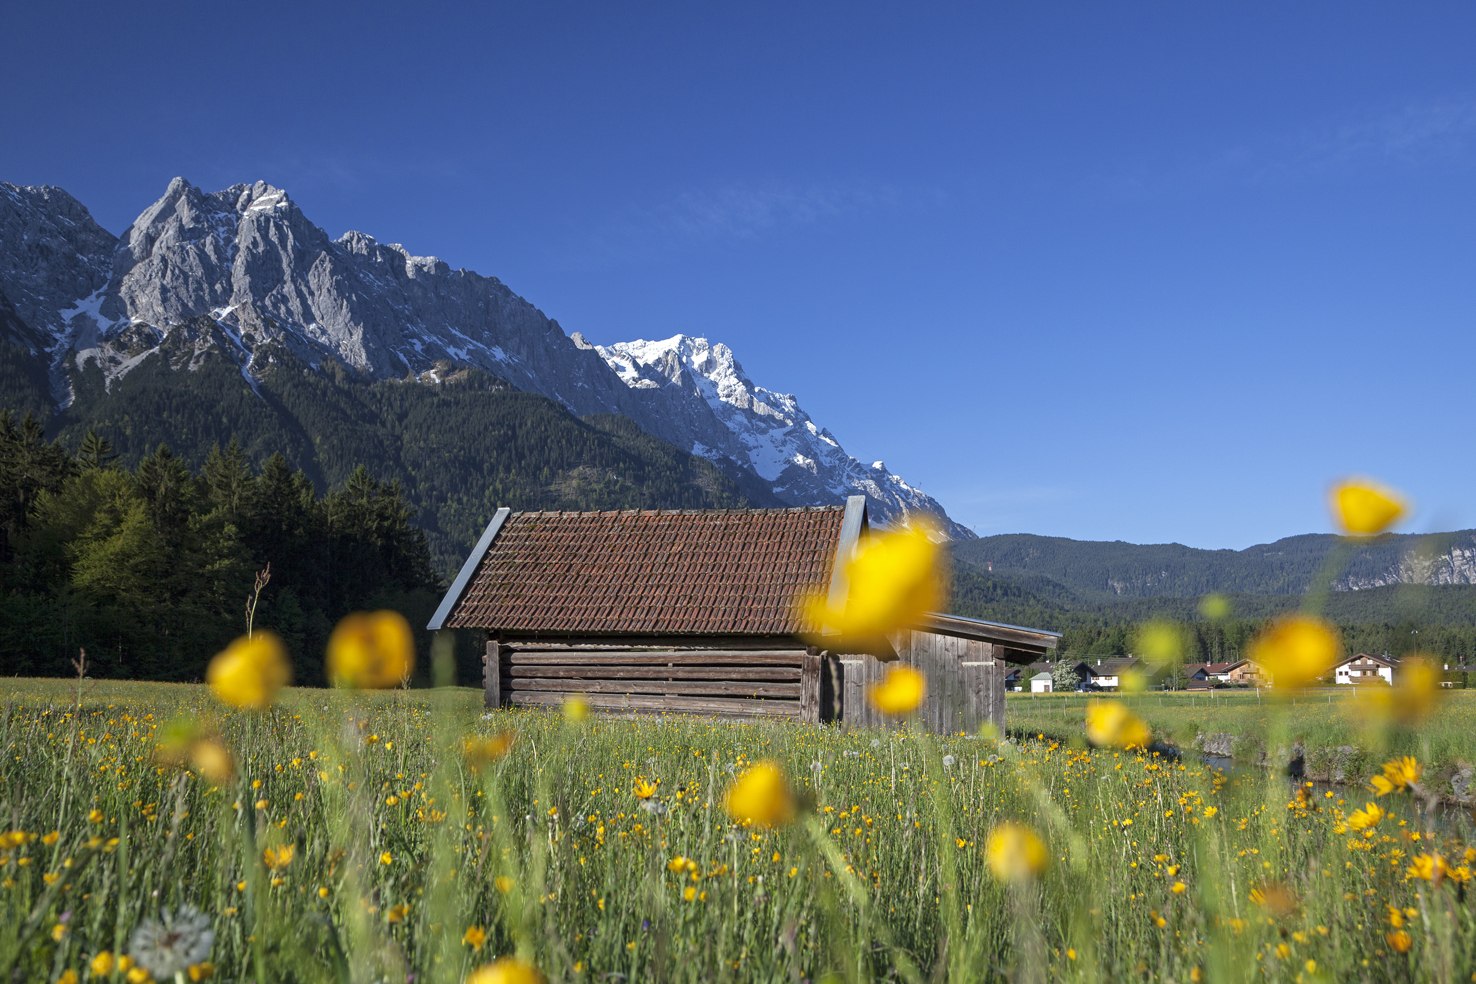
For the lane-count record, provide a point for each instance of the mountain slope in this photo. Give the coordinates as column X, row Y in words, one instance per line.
column 711, row 406
column 1110, row 570
column 242, row 274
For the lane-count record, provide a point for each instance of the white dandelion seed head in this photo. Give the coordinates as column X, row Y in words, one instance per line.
column 876, row 743
column 949, row 761
column 172, row 943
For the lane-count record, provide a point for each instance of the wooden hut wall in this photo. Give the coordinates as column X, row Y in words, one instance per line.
column 736, row 680
column 965, row 683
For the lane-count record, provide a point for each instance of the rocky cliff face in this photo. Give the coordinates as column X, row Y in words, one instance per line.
column 244, row 273
column 1452, row 562
column 707, row 404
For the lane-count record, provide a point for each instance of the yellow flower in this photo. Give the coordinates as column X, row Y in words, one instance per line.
column 277, row 858
column 1428, row 867
column 643, row 789
column 397, row 913
column 1275, row 898
column 101, row 965
column 1295, row 651
column 1179, row 888
column 1162, row 642
column 1399, row 941
column 1369, row 816
column 508, row 970
column 1015, row 853
column 762, row 795
column 576, row 709
column 212, row 761
column 201, row 971
column 900, row 691
column 504, row 884
column 1398, row 774
column 1110, row 724
column 386, row 858
column 481, row 752
column 1411, row 699
column 474, row 937
column 1366, row 508
column 1214, row 607
column 892, row 580
column 68, row 976
column 249, row 672
column 373, row 650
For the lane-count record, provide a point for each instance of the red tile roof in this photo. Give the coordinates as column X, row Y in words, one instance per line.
column 709, row 572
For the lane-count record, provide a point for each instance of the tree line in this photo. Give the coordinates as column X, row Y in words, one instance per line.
column 148, row 569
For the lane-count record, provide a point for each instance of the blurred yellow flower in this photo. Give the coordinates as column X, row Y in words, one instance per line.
column 576, row 709
column 1412, row 698
column 1109, row 724
column 1296, row 651
column 894, row 578
column 1399, row 941
column 900, row 691
column 1367, row 817
column 508, row 970
column 1398, row 774
column 200, row 971
column 1214, row 607
column 1161, row 642
column 762, row 796
column 643, row 789
column 1363, row 507
column 101, row 965
column 1015, row 853
column 1428, row 867
column 1275, row 898
column 482, row 752
column 212, row 761
column 386, row 858
column 372, row 650
column 474, row 937
column 249, row 672
column 277, row 858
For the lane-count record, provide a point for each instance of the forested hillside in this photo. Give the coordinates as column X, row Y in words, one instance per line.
column 148, row 568
column 459, row 448
column 1114, row 569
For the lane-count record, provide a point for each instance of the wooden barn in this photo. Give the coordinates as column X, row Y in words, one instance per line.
column 645, row 611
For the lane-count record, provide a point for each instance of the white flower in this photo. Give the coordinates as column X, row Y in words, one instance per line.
column 173, row 943
column 949, row 761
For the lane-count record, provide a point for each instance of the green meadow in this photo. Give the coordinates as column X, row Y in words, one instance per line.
column 356, row 841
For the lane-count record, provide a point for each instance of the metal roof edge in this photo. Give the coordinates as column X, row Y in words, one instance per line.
column 1019, row 634
column 463, row 579
column 850, row 534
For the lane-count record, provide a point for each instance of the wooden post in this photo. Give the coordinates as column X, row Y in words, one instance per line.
column 810, row 688
column 492, row 674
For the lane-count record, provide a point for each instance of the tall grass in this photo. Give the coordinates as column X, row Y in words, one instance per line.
column 401, row 847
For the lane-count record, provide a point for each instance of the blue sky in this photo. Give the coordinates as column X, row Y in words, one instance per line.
column 1153, row 272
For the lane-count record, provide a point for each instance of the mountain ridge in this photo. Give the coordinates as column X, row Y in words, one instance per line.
column 279, row 288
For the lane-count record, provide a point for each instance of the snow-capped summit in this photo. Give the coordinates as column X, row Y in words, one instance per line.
column 242, row 273
column 709, row 405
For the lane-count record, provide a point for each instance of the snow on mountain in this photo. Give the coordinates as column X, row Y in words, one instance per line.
column 759, row 429
column 242, row 273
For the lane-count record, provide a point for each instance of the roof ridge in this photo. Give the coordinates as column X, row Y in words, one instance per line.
column 765, row 510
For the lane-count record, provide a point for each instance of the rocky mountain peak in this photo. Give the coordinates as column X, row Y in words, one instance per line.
column 242, row 269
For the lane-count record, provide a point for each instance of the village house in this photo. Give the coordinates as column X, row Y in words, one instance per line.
column 646, row 611
column 1366, row 668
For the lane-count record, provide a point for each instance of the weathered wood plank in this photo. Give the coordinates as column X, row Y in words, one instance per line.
column 517, row 657
column 492, row 675
column 555, row 643
column 809, row 689
column 737, row 688
column 690, row 705
column 582, row 671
